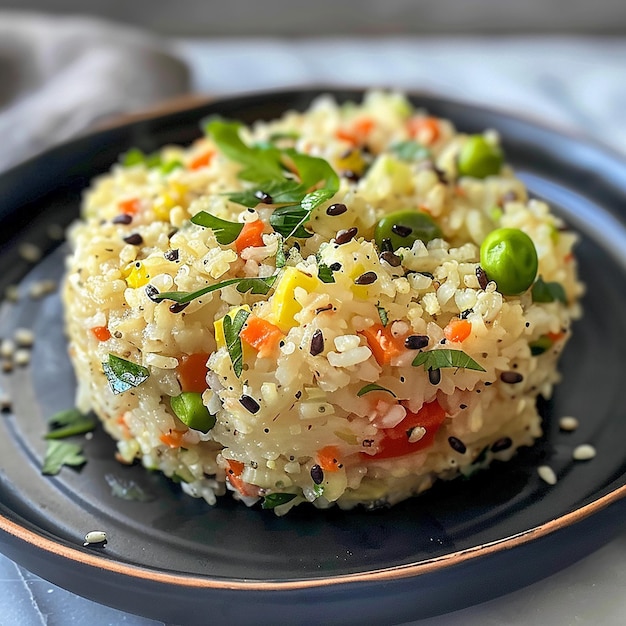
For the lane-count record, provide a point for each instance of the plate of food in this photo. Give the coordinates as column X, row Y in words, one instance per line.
column 304, row 356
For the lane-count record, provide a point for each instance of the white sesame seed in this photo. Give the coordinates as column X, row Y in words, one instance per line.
column 24, row 337
column 568, row 423
column 5, row 402
column 546, row 473
column 12, row 293
column 42, row 288
column 29, row 252
column 22, row 356
column 95, row 536
column 7, row 348
column 584, row 452
column 55, row 232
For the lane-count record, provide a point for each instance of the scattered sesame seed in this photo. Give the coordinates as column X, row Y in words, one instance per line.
column 546, row 473
column 122, row 218
column 7, row 348
column 457, row 445
column 12, row 293
column 434, row 376
column 265, row 198
column 481, row 275
column 568, row 423
column 24, row 337
column 177, row 307
column 21, row 357
column 343, row 236
column 416, row 342
column 56, row 232
column 134, row 240
column 5, row 403
column 30, row 252
column 336, row 209
column 393, row 259
column 317, row 343
column 95, row 537
column 171, row 255
column 42, row 288
column 335, row 267
column 511, row 378
column 584, row 452
column 504, row 443
column 366, row 279
column 249, row 403
column 317, row 474
column 401, row 231
column 151, row 292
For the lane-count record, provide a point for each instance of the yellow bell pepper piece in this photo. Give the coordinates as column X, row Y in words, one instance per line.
column 360, row 291
column 352, row 161
column 284, row 304
column 218, row 325
column 136, row 275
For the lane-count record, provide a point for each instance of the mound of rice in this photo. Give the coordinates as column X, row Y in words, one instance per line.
column 306, row 384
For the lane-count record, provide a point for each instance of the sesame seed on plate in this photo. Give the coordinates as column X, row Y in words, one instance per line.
column 24, row 337
column 546, row 473
column 568, row 423
column 584, row 452
column 30, row 252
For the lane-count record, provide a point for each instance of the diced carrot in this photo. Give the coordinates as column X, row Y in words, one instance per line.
column 328, row 458
column 202, row 160
column 234, row 469
column 382, row 343
column 173, row 438
column 101, row 333
column 192, row 372
column 569, row 257
column 457, row 330
column 250, row 236
column 121, row 421
column 262, row 335
column 358, row 131
column 554, row 337
column 130, row 207
column 424, row 129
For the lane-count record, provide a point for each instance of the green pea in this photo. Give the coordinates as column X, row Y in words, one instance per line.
column 403, row 228
column 509, row 257
column 190, row 410
column 479, row 159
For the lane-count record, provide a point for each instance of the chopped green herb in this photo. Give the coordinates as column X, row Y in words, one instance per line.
column 410, row 150
column 382, row 313
column 373, row 387
column 288, row 221
column 170, row 166
column 273, row 500
column 314, row 171
column 232, row 328
column 437, row 359
column 135, row 156
column 281, row 259
column 548, row 292
column 254, row 285
column 284, row 191
column 123, row 375
column 60, row 453
column 318, row 490
column 541, row 345
column 284, row 135
column 325, row 274
column 70, row 422
column 225, row 232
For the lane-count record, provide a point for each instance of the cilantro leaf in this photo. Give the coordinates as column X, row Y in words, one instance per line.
column 318, row 490
column 284, row 135
column 437, row 359
column 548, row 292
column 288, row 221
column 281, row 259
column 273, row 500
column 285, row 191
column 382, row 313
column 60, row 453
column 124, row 375
column 410, row 150
column 256, row 286
column 373, row 387
column 225, row 232
column 314, row 170
column 325, row 274
column 232, row 328
column 70, row 422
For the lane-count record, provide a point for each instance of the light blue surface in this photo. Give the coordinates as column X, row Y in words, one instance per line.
column 576, row 84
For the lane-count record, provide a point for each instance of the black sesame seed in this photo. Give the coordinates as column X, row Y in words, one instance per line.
column 465, row 314
column 152, row 292
column 434, row 376
column 401, row 231
column 483, row 281
column 351, row 175
column 249, row 403
column 177, row 307
column 511, row 377
column 328, row 307
column 386, row 245
column 317, row 474
column 462, row 406
column 393, row 259
column 134, row 240
column 122, row 218
column 298, row 394
column 343, row 236
column 336, row 209
column 317, row 343
column 502, row 444
column 457, row 445
column 335, row 267
column 171, row 255
column 366, row 279
column 416, row 342
column 265, row 198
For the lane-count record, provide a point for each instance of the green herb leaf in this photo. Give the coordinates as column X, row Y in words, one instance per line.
column 256, row 286
column 540, row 346
column 288, row 221
column 135, row 156
column 312, row 200
column 410, row 150
column 60, row 453
column 273, row 500
column 318, row 490
column 314, row 171
column 285, row 191
column 70, row 422
column 437, row 359
column 281, row 259
column 384, row 317
column 274, row 137
column 325, row 274
column 373, row 387
column 548, row 292
column 225, row 232
column 170, row 166
column 124, row 375
column 232, row 328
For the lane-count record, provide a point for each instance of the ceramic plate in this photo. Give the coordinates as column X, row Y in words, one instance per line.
column 177, row 559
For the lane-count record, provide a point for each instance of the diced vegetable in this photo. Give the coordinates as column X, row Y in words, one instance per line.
column 382, row 343
column 192, row 412
column 262, row 335
column 284, row 304
column 457, row 330
column 328, row 458
column 101, row 333
column 234, row 470
column 479, row 159
column 202, row 160
column 173, row 439
column 404, row 228
column 250, row 236
column 130, row 206
column 424, row 129
column 192, row 371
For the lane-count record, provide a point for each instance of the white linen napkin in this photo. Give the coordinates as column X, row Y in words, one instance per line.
column 58, row 76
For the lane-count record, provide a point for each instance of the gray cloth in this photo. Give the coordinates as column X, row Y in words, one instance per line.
column 60, row 76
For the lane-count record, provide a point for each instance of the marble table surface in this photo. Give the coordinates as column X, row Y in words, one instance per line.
column 578, row 84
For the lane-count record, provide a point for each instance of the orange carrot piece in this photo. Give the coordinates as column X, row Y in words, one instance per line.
column 234, row 469
column 192, row 372
column 457, row 330
column 328, row 458
column 424, row 129
column 173, row 439
column 357, row 133
column 554, row 337
column 382, row 343
column 202, row 160
column 101, row 333
column 250, row 236
column 262, row 335
column 130, row 207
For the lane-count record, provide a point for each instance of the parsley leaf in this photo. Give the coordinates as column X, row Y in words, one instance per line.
column 225, row 232
column 314, row 170
column 232, row 328
column 373, row 387
column 548, row 292
column 254, row 285
column 123, row 375
column 70, row 422
column 382, row 313
column 60, row 453
column 410, row 150
column 288, row 221
column 281, row 259
column 437, row 359
column 273, row 500
column 325, row 274
column 282, row 191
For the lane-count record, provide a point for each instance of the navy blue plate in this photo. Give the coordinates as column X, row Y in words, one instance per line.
column 177, row 559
